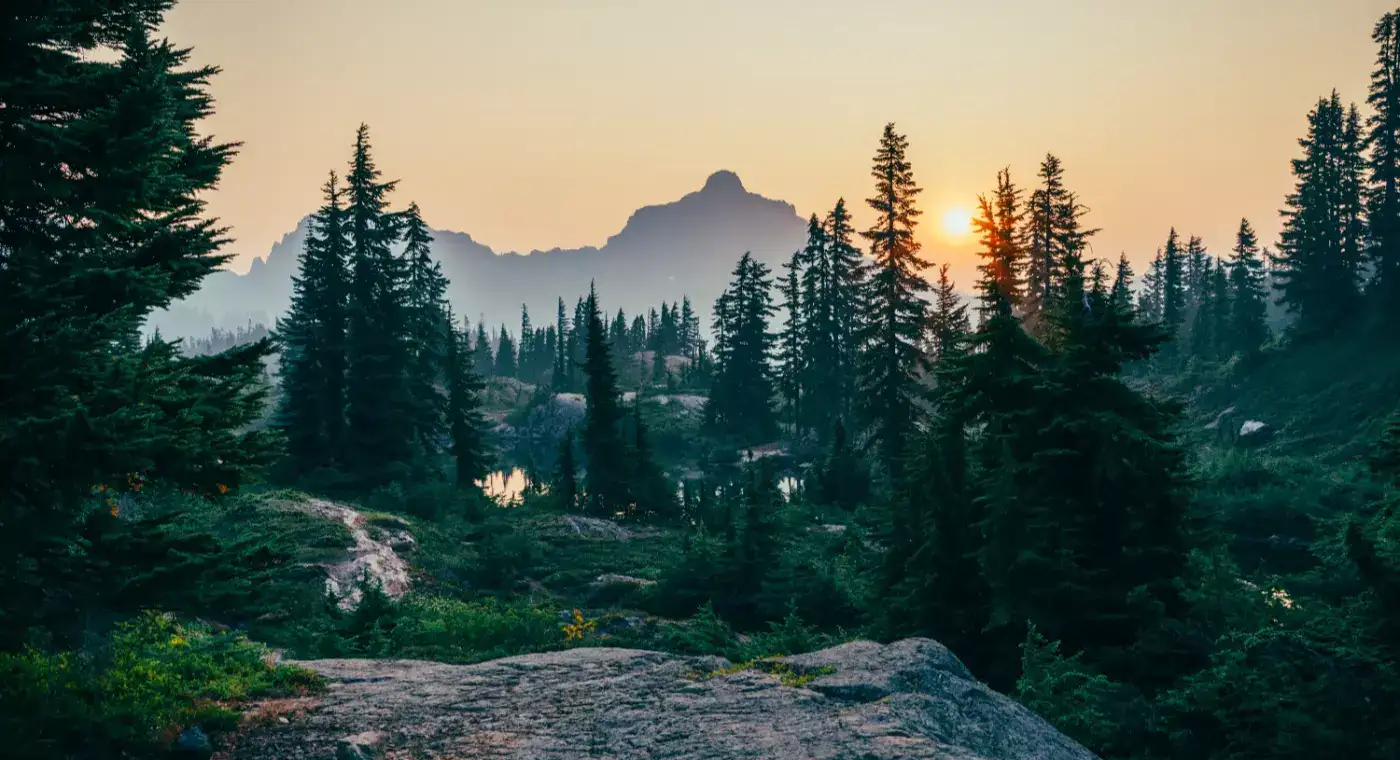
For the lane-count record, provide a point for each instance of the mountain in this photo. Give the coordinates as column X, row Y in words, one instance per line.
column 686, row 247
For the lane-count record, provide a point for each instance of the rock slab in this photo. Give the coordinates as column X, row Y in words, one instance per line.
column 858, row 701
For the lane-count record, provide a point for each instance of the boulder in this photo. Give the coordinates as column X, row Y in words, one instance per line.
column 909, row 699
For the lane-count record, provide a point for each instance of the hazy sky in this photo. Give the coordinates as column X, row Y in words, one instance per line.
column 541, row 123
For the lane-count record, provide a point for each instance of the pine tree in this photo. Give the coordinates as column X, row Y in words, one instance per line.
column 1383, row 197
column 1173, row 285
column 565, row 486
column 1247, row 329
column 607, row 468
column 892, row 336
column 653, row 496
column 999, row 225
column 483, row 359
column 466, row 428
column 562, row 376
column 1121, row 294
column 379, row 409
column 689, row 329
column 1153, row 283
column 525, row 363
column 618, row 338
column 849, row 280
column 948, row 321
column 427, row 335
column 1319, row 258
column 742, row 389
column 1206, row 340
column 311, row 408
column 792, row 351
column 101, row 223
column 1198, row 270
column 505, row 355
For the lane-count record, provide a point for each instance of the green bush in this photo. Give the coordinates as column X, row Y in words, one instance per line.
column 133, row 695
column 441, row 628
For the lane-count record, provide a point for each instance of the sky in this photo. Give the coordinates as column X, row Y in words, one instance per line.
column 533, row 124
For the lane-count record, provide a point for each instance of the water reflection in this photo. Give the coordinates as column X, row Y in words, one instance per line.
column 506, row 486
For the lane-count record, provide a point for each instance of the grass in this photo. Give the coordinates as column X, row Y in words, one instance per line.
column 789, row 676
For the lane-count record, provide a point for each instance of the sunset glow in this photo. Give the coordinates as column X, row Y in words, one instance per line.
column 957, row 223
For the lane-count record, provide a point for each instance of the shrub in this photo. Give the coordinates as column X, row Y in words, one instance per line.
column 131, row 696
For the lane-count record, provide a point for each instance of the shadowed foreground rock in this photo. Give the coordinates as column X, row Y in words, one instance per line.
column 909, row 699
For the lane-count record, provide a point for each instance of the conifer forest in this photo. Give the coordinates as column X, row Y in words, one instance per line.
column 1150, row 496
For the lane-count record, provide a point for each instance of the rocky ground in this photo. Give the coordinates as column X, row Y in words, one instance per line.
column 862, row 701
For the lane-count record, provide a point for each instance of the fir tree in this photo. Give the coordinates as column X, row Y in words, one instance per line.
column 1121, row 294
column 618, row 338
column 562, row 375
column 483, row 359
column 466, row 427
column 505, row 355
column 1206, row 338
column 948, row 321
column 1198, row 270
column 1247, row 329
column 892, row 336
column 311, row 410
column 565, row 486
column 101, row 223
column 427, row 334
column 742, row 389
column 999, row 224
column 607, row 471
column 1383, row 197
column 689, row 329
column 1173, row 285
column 1319, row 258
column 379, row 410
column 653, row 495
column 792, row 348
column 1150, row 299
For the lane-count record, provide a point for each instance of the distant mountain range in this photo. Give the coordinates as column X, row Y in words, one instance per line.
column 687, row 247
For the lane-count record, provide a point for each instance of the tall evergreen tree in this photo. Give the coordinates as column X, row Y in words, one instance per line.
column 1198, row 270
column 653, row 496
column 505, row 355
column 379, row 408
column 102, row 223
column 565, row 486
column 1383, row 197
column 999, row 224
column 427, row 335
column 1319, row 259
column 1173, row 286
column 311, row 408
column 618, row 338
column 689, row 329
column 893, row 331
column 1247, row 329
column 607, row 470
column 1153, row 284
column 466, row 428
column 1121, row 294
column 483, row 358
column 948, row 320
column 792, row 348
column 741, row 393
column 562, row 376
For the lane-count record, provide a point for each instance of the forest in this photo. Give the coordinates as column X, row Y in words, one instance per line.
column 1156, row 509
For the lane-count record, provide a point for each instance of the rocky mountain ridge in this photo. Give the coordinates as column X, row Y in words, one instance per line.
column 683, row 248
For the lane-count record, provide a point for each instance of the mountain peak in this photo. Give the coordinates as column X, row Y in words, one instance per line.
column 723, row 181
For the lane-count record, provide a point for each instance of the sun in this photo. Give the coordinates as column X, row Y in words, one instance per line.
column 957, row 222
